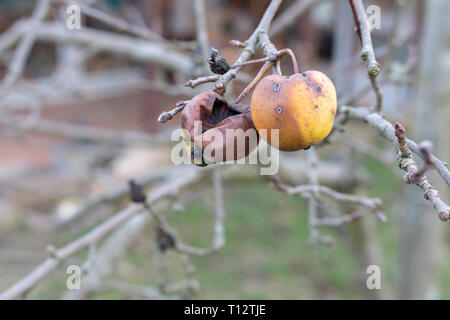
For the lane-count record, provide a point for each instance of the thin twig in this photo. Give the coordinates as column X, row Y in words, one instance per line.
column 290, row 15
column 103, row 41
column 201, row 29
column 313, row 216
column 114, row 194
column 367, row 52
column 23, row 50
column 372, row 204
column 178, row 244
column 237, row 43
column 415, row 175
column 338, row 221
column 364, row 32
column 271, row 57
column 219, row 229
column 168, row 115
column 366, row 147
column 250, row 45
column 241, row 77
column 269, row 50
column 132, row 290
column 378, row 92
column 201, row 80
column 118, row 23
column 86, row 132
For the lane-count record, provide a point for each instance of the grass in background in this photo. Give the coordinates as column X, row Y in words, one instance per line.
column 267, row 255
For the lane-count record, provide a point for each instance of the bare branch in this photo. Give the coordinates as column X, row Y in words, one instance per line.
column 12, row 35
column 133, row 290
column 313, row 179
column 201, row 29
column 378, row 93
column 367, row 52
column 249, row 50
column 51, row 263
column 195, row 82
column 250, row 44
column 415, row 175
column 425, row 148
column 338, row 221
column 270, row 51
column 175, row 241
column 165, row 87
column 117, row 23
column 385, row 129
column 290, row 15
column 22, row 52
column 237, row 43
column 99, row 265
column 77, row 131
column 372, row 204
column 115, row 194
column 401, row 138
column 135, row 49
column 168, row 115
column 364, row 32
column 219, row 229
column 241, row 77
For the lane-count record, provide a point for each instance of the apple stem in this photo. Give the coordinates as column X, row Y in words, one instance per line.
column 258, row 77
column 294, row 60
column 268, row 62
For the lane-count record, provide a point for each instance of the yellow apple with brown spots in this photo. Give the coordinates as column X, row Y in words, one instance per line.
column 301, row 106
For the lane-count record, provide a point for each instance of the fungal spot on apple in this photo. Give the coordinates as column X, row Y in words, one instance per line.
column 308, row 82
column 276, row 86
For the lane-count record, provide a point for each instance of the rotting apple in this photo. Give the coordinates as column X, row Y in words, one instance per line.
column 301, row 106
column 223, row 129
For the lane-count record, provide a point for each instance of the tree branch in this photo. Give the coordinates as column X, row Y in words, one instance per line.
column 249, row 50
column 57, row 256
column 367, row 52
column 135, row 49
column 201, row 28
column 290, row 15
column 373, row 204
column 415, row 175
column 250, row 44
column 117, row 23
column 85, row 132
column 385, row 129
column 22, row 52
